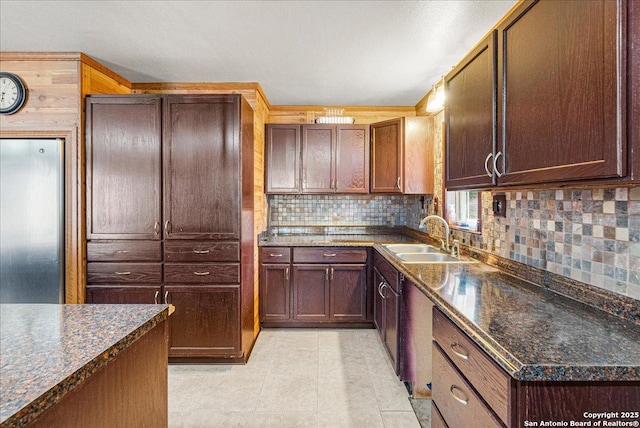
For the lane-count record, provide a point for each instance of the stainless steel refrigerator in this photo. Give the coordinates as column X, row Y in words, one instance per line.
column 31, row 221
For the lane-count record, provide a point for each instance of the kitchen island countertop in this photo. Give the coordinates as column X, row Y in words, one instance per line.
column 47, row 350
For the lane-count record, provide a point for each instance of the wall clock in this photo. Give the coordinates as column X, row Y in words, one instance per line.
column 12, row 93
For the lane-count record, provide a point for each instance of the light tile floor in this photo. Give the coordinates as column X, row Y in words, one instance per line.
column 295, row 378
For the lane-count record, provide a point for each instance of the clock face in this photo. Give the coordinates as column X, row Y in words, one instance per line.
column 12, row 93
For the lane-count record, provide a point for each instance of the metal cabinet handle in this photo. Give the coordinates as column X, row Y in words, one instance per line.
column 286, row 274
column 123, row 273
column 486, row 164
column 155, row 297
column 329, row 254
column 167, row 225
column 495, row 164
column 463, row 401
column 166, row 297
column 380, row 289
column 121, row 251
column 156, row 227
column 201, row 251
column 464, row 356
column 326, row 274
column 331, row 274
column 202, row 273
column 398, row 183
column 275, row 255
column 382, row 292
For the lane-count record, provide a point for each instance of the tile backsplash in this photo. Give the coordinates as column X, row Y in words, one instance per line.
column 345, row 210
column 589, row 235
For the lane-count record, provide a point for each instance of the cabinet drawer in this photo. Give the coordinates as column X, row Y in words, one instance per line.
column 201, row 251
column 110, row 273
column 456, row 400
column 491, row 382
column 386, row 270
column 275, row 254
column 436, row 418
column 124, row 251
column 210, row 273
column 329, row 255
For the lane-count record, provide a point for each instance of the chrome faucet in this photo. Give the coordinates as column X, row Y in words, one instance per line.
column 444, row 245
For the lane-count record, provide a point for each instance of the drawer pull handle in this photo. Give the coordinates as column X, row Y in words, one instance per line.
column 275, row 255
column 202, row 273
column 463, row 401
column 155, row 297
column 329, row 254
column 286, row 274
column 166, row 297
column 201, row 251
column 156, row 227
column 123, row 273
column 121, row 251
column 167, row 227
column 486, row 164
column 455, row 345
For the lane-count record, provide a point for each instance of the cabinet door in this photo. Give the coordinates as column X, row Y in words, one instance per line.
column 123, row 167
column 561, row 103
column 391, row 324
column 282, row 159
column 206, row 322
column 201, row 167
column 470, row 116
column 318, row 168
column 348, row 292
column 386, row 156
column 352, row 159
column 378, row 302
column 128, row 294
column 275, row 292
column 311, row 293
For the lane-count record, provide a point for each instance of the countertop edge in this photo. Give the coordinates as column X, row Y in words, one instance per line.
column 35, row 408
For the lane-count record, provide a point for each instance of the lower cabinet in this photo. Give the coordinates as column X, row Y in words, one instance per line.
column 470, row 389
column 386, row 310
column 206, row 322
column 120, row 294
column 319, row 286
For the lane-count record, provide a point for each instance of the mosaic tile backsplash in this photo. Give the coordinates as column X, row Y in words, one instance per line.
column 345, row 210
column 592, row 235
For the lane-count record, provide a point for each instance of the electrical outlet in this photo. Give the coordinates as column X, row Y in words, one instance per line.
column 499, row 205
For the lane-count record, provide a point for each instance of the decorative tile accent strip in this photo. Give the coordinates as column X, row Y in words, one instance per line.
column 345, row 210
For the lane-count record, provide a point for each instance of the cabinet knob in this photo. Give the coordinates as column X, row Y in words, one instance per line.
column 464, row 354
column 464, row 401
column 486, row 164
column 495, row 164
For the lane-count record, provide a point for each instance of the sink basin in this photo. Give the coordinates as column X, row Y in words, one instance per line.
column 411, row 248
column 430, row 258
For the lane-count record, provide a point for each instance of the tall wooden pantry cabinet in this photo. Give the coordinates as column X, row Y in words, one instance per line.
column 170, row 215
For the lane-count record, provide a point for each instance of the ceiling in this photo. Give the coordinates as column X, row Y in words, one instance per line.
column 386, row 53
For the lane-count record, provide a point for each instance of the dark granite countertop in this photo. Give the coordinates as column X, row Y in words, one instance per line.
column 531, row 331
column 47, row 350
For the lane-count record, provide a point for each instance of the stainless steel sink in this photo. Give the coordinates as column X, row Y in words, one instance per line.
column 411, row 248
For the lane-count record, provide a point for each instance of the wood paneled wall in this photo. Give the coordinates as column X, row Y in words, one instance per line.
column 362, row 115
column 56, row 84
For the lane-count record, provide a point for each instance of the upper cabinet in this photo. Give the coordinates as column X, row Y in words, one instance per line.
column 201, row 167
column 317, row 159
column 470, row 117
column 553, row 107
column 402, row 156
column 123, row 167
